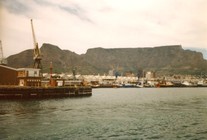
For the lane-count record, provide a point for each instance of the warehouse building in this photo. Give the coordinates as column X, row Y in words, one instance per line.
column 20, row 77
column 8, row 75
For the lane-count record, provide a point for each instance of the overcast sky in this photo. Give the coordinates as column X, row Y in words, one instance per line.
column 77, row 25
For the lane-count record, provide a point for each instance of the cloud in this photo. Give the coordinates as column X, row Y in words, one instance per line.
column 78, row 25
column 75, row 10
column 70, row 8
column 15, row 6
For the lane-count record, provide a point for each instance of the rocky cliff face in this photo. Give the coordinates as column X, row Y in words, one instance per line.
column 62, row 60
column 163, row 60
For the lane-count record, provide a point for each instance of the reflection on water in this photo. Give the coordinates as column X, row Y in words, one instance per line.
column 143, row 113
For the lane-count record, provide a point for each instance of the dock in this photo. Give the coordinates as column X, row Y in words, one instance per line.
column 17, row 92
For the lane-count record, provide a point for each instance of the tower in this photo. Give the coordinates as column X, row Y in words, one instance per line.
column 51, row 67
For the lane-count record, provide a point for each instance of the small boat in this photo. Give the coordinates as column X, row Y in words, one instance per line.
column 129, row 85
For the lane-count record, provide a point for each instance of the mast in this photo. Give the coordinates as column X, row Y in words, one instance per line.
column 36, row 54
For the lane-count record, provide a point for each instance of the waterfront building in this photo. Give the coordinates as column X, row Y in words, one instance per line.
column 29, row 77
column 8, row 75
column 149, row 75
column 111, row 72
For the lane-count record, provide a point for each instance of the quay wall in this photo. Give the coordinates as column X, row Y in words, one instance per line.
column 16, row 92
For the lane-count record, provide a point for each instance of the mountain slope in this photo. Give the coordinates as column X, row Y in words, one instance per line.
column 62, row 60
column 163, row 60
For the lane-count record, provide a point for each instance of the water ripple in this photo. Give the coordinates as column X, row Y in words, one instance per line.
column 109, row 114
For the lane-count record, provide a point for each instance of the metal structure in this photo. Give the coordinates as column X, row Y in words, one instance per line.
column 74, row 73
column 51, row 68
column 3, row 61
column 36, row 54
column 1, row 53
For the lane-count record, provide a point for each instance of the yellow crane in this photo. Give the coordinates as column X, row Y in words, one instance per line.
column 36, row 54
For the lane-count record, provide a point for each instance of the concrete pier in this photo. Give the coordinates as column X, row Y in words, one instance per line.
column 17, row 92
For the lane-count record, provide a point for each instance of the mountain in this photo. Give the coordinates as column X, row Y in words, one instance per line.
column 163, row 60
column 62, row 60
column 202, row 50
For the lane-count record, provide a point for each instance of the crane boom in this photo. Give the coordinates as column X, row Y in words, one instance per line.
column 3, row 61
column 1, row 52
column 36, row 54
column 33, row 34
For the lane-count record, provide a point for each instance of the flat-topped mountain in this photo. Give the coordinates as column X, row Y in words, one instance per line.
column 163, row 60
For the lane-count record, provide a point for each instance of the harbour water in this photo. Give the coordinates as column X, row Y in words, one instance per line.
column 118, row 113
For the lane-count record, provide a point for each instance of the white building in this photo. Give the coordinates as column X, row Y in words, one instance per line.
column 29, row 77
column 150, row 75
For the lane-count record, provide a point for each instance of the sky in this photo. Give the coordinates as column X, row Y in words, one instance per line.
column 78, row 25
